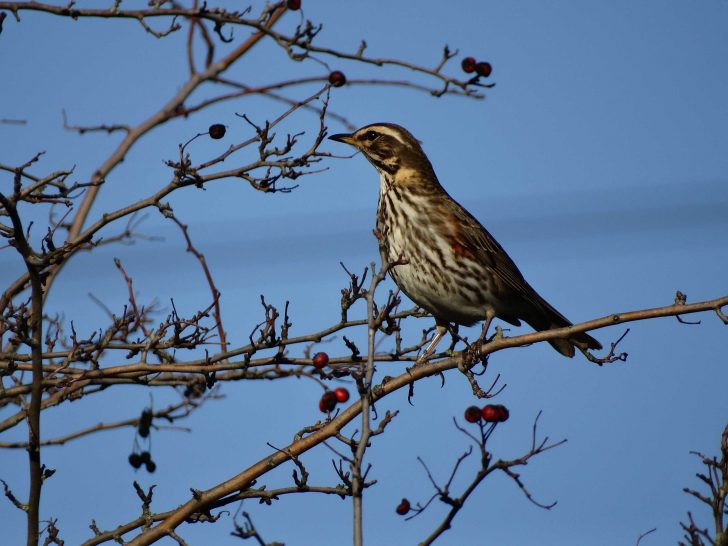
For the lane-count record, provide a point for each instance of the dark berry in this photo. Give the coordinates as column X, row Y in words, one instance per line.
column 320, row 360
column 483, row 69
column 216, row 131
column 145, row 421
column 151, row 466
column 403, row 507
column 495, row 413
column 294, row 5
column 195, row 390
column 342, row 395
column 145, row 456
column 328, row 402
column 472, row 414
column 504, row 413
column 337, row 78
column 135, row 460
column 468, row 64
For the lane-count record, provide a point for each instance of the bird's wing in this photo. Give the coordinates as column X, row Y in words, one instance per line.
column 471, row 239
column 476, row 240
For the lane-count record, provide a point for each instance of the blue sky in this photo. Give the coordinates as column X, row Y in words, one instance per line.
column 598, row 161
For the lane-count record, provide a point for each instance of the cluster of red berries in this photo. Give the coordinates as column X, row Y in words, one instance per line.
column 330, row 398
column 491, row 413
column 470, row 65
column 144, row 458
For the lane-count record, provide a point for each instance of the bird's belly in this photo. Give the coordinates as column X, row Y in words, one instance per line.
column 442, row 296
column 449, row 285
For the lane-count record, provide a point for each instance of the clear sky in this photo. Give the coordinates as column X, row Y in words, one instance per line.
column 600, row 163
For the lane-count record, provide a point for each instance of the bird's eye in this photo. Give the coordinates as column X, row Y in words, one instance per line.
column 371, row 135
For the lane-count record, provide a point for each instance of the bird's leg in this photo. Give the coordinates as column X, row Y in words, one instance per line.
column 473, row 350
column 441, row 329
column 489, row 316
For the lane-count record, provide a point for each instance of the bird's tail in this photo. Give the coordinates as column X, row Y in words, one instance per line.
column 548, row 318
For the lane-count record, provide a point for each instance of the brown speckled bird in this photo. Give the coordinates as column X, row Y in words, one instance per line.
column 453, row 267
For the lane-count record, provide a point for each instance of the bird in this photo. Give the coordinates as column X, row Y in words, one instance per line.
column 446, row 261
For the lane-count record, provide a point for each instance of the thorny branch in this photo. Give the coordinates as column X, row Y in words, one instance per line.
column 487, row 467
column 30, row 334
column 170, row 414
column 65, row 365
column 364, row 381
column 68, row 366
column 167, row 212
column 190, row 332
column 715, row 477
column 299, row 45
column 319, row 435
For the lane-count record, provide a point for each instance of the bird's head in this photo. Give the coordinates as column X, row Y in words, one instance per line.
column 388, row 147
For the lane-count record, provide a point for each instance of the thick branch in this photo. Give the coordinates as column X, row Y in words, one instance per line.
column 36, row 393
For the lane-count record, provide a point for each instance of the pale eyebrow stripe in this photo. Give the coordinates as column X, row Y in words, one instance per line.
column 385, row 131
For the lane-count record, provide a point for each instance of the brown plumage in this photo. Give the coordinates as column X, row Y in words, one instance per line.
column 454, row 268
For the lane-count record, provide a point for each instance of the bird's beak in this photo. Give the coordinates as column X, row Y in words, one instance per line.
column 343, row 137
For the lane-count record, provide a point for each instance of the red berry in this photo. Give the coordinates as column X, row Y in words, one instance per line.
column 472, row 414
column 342, row 395
column 490, row 413
column 468, row 64
column 320, row 360
column 495, row 413
column 293, row 4
column 151, row 466
column 483, row 69
column 337, row 78
column 504, row 413
column 403, row 507
column 328, row 402
column 216, row 131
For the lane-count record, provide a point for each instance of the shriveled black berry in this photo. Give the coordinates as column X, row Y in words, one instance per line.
column 216, row 131
column 135, row 460
column 145, row 421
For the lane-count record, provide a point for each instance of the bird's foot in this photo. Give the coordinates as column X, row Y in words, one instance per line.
column 472, row 352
